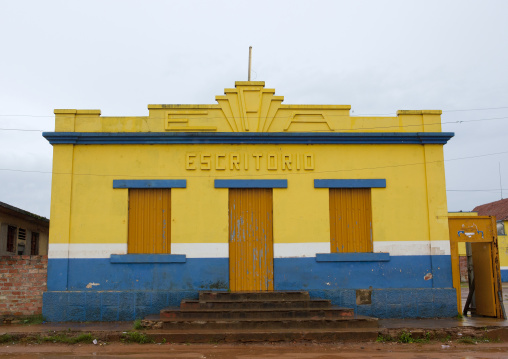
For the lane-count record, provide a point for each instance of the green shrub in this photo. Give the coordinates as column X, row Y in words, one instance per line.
column 135, row 337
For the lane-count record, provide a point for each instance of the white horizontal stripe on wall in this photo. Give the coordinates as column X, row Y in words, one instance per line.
column 201, row 250
column 289, row 250
column 102, row 250
column 440, row 248
column 221, row 250
column 85, row 250
column 412, row 248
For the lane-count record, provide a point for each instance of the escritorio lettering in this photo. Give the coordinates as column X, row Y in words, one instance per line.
column 238, row 162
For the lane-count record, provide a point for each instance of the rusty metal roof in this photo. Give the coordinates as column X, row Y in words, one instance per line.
column 497, row 208
column 21, row 212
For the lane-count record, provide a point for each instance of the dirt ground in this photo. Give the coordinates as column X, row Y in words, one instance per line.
column 247, row 351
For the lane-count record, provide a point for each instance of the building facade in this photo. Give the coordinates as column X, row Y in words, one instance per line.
column 248, row 194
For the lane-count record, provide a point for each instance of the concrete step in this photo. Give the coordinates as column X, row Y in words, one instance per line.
column 268, row 324
column 234, row 296
column 254, row 304
column 274, row 335
column 221, row 314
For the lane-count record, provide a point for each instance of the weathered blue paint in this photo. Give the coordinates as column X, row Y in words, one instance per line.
column 58, row 273
column 399, row 272
column 504, row 275
column 129, row 305
column 148, row 258
column 96, row 138
column 352, row 257
column 251, row 183
column 149, row 183
column 397, row 302
column 289, row 274
column 122, row 291
column 440, row 263
column 194, row 274
column 80, row 306
column 350, row 183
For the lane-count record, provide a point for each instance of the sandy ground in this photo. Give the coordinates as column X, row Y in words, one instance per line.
column 247, row 351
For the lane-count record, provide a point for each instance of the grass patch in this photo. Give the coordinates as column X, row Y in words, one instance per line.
column 404, row 337
column 446, row 339
column 57, row 338
column 34, row 319
column 135, row 337
column 470, row 340
column 467, row 340
column 6, row 338
column 137, row 324
column 384, row 339
column 64, row 338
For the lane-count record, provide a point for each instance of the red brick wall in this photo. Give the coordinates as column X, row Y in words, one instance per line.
column 463, row 268
column 22, row 282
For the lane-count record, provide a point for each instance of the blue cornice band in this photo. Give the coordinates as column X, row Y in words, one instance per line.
column 149, row 183
column 260, row 183
column 349, row 183
column 150, row 138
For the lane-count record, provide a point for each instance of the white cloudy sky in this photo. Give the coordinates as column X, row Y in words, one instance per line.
column 378, row 56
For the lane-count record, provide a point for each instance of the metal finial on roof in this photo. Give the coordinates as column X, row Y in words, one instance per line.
column 250, row 61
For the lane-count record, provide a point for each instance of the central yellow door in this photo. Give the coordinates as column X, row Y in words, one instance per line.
column 250, row 239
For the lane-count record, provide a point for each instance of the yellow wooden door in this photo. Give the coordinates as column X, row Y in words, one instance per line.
column 350, row 220
column 484, row 279
column 149, row 221
column 250, row 239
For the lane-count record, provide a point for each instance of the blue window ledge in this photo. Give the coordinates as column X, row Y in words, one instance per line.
column 352, row 257
column 148, row 258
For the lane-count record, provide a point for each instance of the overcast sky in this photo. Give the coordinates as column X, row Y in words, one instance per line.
column 377, row 56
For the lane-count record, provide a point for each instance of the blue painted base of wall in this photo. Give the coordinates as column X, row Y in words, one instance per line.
column 213, row 273
column 125, row 305
column 504, row 275
column 397, row 303
column 109, row 290
column 108, row 306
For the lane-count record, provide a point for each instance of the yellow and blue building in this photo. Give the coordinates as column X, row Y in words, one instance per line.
column 247, row 194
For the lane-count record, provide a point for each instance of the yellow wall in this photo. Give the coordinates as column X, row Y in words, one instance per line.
column 99, row 213
column 502, row 242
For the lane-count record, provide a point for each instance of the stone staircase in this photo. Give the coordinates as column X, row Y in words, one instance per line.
column 262, row 316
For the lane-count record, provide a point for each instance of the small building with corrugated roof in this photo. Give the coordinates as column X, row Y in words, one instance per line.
column 22, row 232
